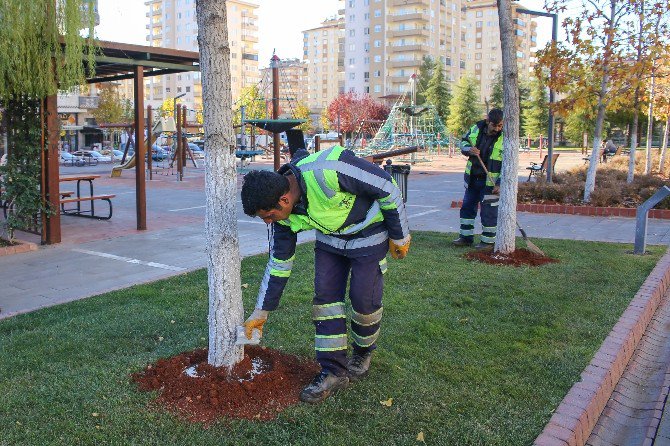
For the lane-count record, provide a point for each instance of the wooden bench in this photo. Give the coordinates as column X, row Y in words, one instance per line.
column 540, row 169
column 78, row 212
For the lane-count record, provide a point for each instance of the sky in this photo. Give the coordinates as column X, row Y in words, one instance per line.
column 281, row 23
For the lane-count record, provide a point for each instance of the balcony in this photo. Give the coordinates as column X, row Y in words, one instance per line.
column 403, row 63
column 157, row 11
column 409, row 48
column 415, row 16
column 398, row 79
column 408, row 2
column 413, row 32
column 249, row 37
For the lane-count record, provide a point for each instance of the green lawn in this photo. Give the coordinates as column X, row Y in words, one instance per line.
column 471, row 354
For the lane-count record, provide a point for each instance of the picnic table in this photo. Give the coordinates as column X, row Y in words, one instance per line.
column 70, row 197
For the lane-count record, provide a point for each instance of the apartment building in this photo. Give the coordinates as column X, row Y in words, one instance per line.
column 173, row 24
column 482, row 39
column 292, row 81
column 386, row 41
column 323, row 55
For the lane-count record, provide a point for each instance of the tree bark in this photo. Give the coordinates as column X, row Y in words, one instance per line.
column 650, row 121
column 505, row 238
column 664, row 149
column 223, row 251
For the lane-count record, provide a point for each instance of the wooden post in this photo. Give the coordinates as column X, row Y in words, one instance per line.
column 317, row 143
column 149, row 141
column 178, row 154
column 140, row 186
column 51, row 231
column 274, row 63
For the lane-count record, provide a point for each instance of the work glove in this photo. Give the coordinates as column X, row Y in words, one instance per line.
column 256, row 320
column 399, row 248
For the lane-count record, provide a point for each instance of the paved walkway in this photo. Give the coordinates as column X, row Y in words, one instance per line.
column 100, row 256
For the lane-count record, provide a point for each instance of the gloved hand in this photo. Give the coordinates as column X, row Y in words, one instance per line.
column 256, row 320
column 399, row 248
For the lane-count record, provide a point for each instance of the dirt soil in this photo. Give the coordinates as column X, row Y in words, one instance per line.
column 519, row 257
column 262, row 385
column 4, row 243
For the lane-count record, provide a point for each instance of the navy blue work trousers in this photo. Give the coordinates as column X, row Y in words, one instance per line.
column 365, row 294
column 474, row 196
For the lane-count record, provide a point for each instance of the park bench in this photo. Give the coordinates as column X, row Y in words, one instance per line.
column 246, row 156
column 78, row 212
column 540, row 169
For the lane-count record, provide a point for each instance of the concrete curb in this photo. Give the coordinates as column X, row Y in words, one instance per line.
column 576, row 416
column 19, row 247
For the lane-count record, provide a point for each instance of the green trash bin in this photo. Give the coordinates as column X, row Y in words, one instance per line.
column 399, row 174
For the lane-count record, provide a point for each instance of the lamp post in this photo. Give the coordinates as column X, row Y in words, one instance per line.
column 550, row 134
column 174, row 104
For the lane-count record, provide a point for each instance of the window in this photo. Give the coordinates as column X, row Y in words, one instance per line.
column 519, row 32
column 519, row 54
column 366, row 16
column 366, row 75
column 478, row 56
column 352, row 33
column 378, row 58
column 378, row 43
column 366, row 31
column 167, row 89
column 378, row 28
column 352, row 61
column 478, row 24
column 352, row 18
column 480, row 13
column 352, row 47
column 178, row 89
column 377, row 73
column 351, row 3
column 378, row 12
column 478, row 45
column 352, row 76
column 188, row 89
column 378, row 88
column 478, row 66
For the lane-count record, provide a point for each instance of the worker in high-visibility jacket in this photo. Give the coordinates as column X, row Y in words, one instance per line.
column 358, row 213
column 485, row 139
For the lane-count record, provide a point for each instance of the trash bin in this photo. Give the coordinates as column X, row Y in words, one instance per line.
column 399, row 174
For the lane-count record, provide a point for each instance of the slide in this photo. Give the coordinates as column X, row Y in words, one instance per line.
column 129, row 164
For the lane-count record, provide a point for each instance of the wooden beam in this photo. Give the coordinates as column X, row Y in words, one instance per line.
column 51, row 232
column 140, row 150
column 120, row 61
column 149, row 73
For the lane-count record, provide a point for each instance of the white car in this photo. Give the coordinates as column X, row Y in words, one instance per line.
column 92, row 154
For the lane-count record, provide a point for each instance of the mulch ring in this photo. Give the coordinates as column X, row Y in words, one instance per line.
column 258, row 388
column 519, row 257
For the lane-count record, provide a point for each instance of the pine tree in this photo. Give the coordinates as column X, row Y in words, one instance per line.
column 464, row 107
column 425, row 75
column 535, row 110
column 496, row 100
column 438, row 93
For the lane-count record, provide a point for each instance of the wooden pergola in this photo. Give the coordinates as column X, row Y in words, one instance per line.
column 114, row 61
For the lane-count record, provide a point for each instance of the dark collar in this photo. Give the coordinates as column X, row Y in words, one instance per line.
column 289, row 168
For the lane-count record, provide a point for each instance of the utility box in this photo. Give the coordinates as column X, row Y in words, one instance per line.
column 399, row 174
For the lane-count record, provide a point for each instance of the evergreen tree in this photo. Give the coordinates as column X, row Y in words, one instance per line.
column 438, row 93
column 464, row 107
column 425, row 75
column 496, row 100
column 524, row 102
column 535, row 110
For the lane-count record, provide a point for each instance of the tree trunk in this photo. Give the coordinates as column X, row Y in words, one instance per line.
column 650, row 121
column 633, row 137
column 223, row 251
column 664, row 149
column 505, row 238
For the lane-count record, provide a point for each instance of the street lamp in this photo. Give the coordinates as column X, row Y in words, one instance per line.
column 174, row 104
column 550, row 135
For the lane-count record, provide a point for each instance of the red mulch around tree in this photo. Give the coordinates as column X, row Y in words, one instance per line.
column 519, row 257
column 258, row 388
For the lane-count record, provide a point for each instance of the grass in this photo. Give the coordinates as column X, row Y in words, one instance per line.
column 471, row 354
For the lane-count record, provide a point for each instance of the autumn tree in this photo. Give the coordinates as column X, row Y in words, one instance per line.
column 223, row 250
column 166, row 109
column 302, row 112
column 111, row 108
column 253, row 102
column 464, row 108
column 438, row 93
column 350, row 111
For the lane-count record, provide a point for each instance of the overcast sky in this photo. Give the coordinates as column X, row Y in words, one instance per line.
column 281, row 23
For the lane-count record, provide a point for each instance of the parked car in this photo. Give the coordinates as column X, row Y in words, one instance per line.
column 158, row 153
column 90, row 155
column 68, row 159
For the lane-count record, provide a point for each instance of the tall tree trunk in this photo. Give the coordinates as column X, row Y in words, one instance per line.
column 633, row 136
column 223, row 251
column 600, row 117
column 664, row 149
column 505, row 238
column 650, row 121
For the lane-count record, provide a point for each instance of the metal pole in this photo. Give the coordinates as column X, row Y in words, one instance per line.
column 149, row 145
column 180, row 165
column 243, row 109
column 550, row 148
column 641, row 219
column 274, row 64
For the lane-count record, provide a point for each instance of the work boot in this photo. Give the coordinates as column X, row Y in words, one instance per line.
column 358, row 365
column 462, row 241
column 481, row 246
column 322, row 386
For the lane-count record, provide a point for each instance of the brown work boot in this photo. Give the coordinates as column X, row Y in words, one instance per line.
column 322, row 386
column 462, row 241
column 481, row 246
column 358, row 365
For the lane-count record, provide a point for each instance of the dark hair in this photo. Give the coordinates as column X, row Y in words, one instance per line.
column 495, row 116
column 262, row 190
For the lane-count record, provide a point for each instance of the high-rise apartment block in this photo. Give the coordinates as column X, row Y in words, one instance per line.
column 386, row 41
column 323, row 54
column 173, row 24
column 292, row 81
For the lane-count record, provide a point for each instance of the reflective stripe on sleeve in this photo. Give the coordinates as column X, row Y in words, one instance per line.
column 366, row 320
column 328, row 311
column 281, row 268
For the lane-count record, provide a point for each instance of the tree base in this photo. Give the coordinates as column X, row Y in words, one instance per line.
column 265, row 383
column 520, row 257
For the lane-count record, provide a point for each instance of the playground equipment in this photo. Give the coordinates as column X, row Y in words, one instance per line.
column 408, row 126
column 162, row 125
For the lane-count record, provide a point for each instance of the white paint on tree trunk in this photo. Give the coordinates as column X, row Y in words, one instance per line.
column 223, row 251
column 505, row 237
